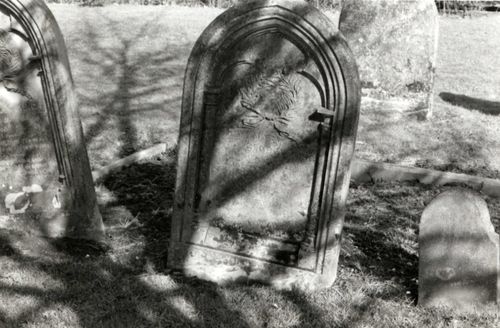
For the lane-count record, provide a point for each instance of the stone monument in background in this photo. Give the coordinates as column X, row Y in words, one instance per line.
column 269, row 117
column 45, row 177
column 458, row 252
column 395, row 45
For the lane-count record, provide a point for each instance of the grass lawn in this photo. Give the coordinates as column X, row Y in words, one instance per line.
column 463, row 134
column 128, row 64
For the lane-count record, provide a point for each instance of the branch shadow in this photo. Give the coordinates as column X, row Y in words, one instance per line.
column 137, row 79
column 484, row 106
column 102, row 293
column 380, row 217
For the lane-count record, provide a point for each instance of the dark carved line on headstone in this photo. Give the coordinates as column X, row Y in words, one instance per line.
column 298, row 38
column 316, row 83
column 291, row 264
column 211, row 98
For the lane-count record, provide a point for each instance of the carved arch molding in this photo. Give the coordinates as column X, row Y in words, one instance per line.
column 56, row 173
column 269, row 117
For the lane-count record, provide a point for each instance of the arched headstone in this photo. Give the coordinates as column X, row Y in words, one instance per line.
column 45, row 175
column 459, row 258
column 269, row 117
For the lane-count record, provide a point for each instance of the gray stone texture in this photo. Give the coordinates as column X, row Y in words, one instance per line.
column 395, row 45
column 45, row 179
column 257, row 197
column 459, row 252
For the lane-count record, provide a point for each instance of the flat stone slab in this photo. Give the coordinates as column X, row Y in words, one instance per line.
column 395, row 45
column 459, row 252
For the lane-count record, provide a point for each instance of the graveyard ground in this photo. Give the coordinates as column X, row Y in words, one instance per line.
column 128, row 64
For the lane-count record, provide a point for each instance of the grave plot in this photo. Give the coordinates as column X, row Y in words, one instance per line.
column 45, row 176
column 269, row 117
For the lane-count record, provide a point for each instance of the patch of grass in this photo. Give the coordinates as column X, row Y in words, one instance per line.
column 43, row 285
column 128, row 63
column 462, row 136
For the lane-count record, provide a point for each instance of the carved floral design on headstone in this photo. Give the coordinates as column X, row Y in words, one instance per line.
column 269, row 110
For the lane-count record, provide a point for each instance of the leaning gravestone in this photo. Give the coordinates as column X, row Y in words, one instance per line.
column 395, row 46
column 459, row 252
column 269, row 116
column 45, row 175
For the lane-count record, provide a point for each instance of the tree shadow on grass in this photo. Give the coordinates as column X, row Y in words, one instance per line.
column 481, row 105
column 135, row 289
column 146, row 190
column 75, row 286
column 82, row 284
column 136, row 80
column 381, row 232
column 386, row 260
column 102, row 293
column 104, row 287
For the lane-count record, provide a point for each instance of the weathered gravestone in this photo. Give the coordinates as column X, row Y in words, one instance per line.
column 459, row 252
column 45, row 177
column 269, row 116
column 395, row 46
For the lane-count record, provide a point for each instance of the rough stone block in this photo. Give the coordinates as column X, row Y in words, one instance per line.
column 459, row 252
column 395, row 45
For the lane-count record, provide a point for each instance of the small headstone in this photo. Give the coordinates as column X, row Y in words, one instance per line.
column 459, row 252
column 269, row 117
column 395, row 45
column 45, row 177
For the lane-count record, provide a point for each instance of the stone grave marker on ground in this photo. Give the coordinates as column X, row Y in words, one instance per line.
column 395, row 46
column 45, row 178
column 269, row 116
column 459, row 252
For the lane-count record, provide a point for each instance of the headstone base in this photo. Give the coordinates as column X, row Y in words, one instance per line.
column 226, row 269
